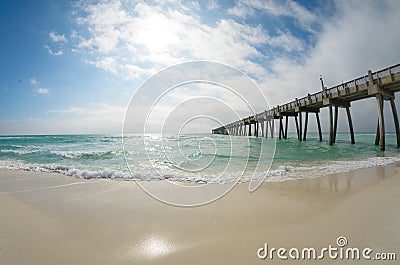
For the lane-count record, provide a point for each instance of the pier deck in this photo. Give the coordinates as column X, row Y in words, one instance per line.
column 382, row 85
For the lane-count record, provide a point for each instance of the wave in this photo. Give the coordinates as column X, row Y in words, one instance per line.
column 281, row 173
column 69, row 171
column 95, row 155
column 87, row 154
column 18, row 151
column 319, row 169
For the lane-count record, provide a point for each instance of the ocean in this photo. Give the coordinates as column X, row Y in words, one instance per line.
column 193, row 158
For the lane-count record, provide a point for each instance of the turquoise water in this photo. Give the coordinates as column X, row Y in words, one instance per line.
column 192, row 158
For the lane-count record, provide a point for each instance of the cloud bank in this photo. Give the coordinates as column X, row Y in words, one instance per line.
column 283, row 45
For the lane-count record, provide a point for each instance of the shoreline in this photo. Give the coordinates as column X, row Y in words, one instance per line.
column 101, row 221
column 288, row 172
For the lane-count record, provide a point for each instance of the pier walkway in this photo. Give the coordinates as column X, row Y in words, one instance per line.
column 382, row 85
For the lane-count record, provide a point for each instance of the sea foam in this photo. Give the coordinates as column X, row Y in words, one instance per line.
column 282, row 173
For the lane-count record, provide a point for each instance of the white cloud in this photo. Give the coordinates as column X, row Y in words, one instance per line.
column 104, row 21
column 41, row 90
column 106, row 63
column 351, row 42
column 51, row 52
column 56, row 37
column 287, row 42
column 358, row 32
column 158, row 37
column 147, row 37
column 33, row 81
column 93, row 118
column 130, row 71
column 93, row 110
column 212, row 5
column 61, row 125
column 135, row 41
column 287, row 8
column 241, row 10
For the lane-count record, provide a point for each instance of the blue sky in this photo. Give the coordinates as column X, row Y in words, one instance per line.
column 72, row 66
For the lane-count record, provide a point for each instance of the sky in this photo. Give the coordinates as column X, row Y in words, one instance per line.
column 70, row 67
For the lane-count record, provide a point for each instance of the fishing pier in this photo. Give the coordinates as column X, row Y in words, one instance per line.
column 382, row 85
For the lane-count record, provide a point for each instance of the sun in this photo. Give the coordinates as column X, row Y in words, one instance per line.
column 157, row 33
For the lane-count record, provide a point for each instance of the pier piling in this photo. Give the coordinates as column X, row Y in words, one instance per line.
column 305, row 127
column 396, row 120
column 319, row 126
column 382, row 85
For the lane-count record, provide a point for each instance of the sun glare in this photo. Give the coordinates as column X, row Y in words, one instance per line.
column 154, row 246
column 157, row 33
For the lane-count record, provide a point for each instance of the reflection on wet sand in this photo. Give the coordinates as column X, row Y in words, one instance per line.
column 336, row 183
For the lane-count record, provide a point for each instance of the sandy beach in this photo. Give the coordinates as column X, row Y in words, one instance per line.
column 107, row 104
column 55, row 219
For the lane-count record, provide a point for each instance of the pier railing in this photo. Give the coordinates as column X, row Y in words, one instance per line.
column 381, row 84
